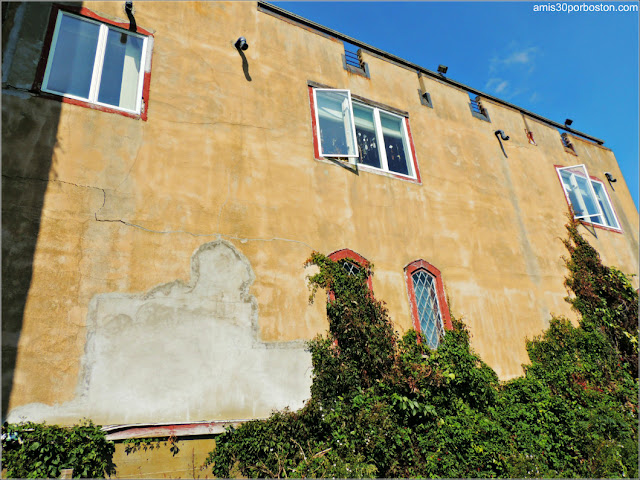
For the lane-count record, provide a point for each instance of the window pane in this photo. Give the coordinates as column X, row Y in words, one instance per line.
column 74, row 53
column 336, row 124
column 424, row 287
column 603, row 200
column 350, row 268
column 577, row 184
column 366, row 136
column 121, row 70
column 394, row 143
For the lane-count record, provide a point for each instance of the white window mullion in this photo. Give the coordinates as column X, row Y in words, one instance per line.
column 98, row 64
column 381, row 146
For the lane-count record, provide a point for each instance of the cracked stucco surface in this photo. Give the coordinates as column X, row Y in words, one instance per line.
column 183, row 351
column 99, row 208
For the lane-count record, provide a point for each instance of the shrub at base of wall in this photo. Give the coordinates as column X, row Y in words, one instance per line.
column 394, row 408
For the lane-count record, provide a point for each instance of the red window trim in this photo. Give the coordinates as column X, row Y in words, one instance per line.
column 347, row 253
column 584, row 222
column 42, row 63
column 409, row 270
column 316, row 147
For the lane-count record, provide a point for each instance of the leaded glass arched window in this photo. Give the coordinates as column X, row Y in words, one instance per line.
column 428, row 303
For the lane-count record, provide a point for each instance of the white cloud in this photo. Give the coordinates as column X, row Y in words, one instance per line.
column 496, row 85
column 501, row 86
column 509, row 70
column 524, row 56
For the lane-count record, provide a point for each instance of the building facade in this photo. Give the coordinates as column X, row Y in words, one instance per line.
column 163, row 186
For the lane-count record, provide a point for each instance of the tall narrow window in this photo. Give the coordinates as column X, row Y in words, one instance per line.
column 428, row 309
column 587, row 196
column 428, row 303
column 95, row 62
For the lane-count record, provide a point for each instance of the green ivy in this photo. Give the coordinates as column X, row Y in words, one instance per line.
column 133, row 445
column 382, row 406
column 34, row 450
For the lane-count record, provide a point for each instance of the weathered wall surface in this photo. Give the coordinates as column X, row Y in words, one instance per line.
column 99, row 209
column 188, row 351
column 160, row 462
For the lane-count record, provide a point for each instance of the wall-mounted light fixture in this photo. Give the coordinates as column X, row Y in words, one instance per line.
column 241, row 43
column 568, row 122
column 442, row 69
column 502, row 135
column 128, row 8
column 610, row 177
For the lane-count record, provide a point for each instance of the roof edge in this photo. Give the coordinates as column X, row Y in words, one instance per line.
column 269, row 8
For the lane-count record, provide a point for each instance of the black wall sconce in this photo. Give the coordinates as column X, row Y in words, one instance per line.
column 241, row 43
column 610, row 177
column 568, row 122
column 442, row 69
column 128, row 8
column 500, row 135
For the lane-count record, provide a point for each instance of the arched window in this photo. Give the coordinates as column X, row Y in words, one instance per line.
column 347, row 254
column 429, row 308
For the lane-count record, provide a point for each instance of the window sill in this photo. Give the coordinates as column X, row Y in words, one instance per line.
column 366, row 168
column 601, row 227
column 479, row 116
column 93, row 106
column 363, row 72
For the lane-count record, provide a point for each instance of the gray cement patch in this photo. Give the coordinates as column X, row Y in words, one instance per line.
column 183, row 352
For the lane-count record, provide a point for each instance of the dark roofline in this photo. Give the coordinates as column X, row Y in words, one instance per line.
column 264, row 6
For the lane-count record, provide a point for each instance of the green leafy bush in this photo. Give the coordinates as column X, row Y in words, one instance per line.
column 388, row 407
column 35, row 450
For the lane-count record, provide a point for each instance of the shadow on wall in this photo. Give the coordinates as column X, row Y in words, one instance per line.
column 29, row 131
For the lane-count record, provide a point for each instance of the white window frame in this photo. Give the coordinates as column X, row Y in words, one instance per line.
column 353, row 125
column 379, row 136
column 609, row 204
column 98, row 63
column 384, row 164
column 595, row 199
column 439, row 324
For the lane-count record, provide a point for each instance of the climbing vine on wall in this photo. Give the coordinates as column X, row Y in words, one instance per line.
column 383, row 406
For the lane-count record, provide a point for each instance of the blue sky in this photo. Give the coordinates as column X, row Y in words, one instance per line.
column 578, row 65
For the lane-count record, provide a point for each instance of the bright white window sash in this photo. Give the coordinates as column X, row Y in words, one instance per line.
column 609, row 215
column 347, row 118
column 590, row 191
column 98, row 64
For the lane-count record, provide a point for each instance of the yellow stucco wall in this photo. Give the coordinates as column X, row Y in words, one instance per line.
column 97, row 203
column 158, row 461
